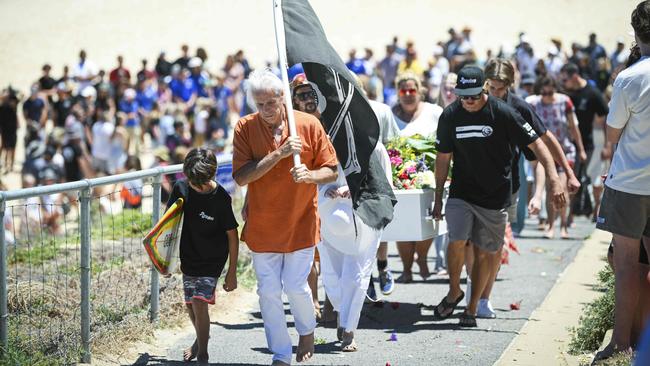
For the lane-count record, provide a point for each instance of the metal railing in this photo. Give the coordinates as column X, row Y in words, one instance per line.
column 85, row 237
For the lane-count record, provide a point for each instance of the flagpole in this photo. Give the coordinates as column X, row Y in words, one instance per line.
column 278, row 21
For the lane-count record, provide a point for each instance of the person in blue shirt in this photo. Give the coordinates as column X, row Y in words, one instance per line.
column 129, row 106
column 183, row 89
column 356, row 65
column 146, row 95
column 198, row 77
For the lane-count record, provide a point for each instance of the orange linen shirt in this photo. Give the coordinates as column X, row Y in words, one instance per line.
column 282, row 214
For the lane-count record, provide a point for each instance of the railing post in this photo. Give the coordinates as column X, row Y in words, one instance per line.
column 85, row 271
column 4, row 316
column 155, row 279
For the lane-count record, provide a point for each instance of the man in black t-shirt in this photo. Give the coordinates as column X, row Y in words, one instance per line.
column 500, row 75
column 478, row 131
column 591, row 109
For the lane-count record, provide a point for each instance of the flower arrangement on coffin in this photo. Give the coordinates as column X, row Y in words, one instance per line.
column 412, row 160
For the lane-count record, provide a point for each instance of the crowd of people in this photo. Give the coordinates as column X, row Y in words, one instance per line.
column 531, row 124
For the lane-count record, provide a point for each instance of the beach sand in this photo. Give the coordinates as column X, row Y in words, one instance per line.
column 37, row 31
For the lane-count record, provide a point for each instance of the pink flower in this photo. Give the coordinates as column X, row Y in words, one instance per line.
column 396, row 161
column 393, row 152
column 411, row 169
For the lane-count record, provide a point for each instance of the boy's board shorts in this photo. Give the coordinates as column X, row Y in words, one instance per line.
column 200, row 288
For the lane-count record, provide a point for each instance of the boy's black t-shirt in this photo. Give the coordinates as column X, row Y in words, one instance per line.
column 481, row 144
column 206, row 219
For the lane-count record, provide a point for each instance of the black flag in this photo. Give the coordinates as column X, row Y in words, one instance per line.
column 348, row 118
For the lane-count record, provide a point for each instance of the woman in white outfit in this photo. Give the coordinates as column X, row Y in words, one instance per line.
column 347, row 252
column 415, row 116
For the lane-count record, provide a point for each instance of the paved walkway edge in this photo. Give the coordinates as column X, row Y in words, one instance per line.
column 544, row 339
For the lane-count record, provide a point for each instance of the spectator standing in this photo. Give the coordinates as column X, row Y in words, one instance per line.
column 83, row 72
column 625, row 210
column 8, row 127
column 163, row 67
column 35, row 108
column 591, row 109
column 120, row 74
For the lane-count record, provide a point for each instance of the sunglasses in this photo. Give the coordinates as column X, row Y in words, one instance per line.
column 310, row 95
column 405, row 92
column 470, row 97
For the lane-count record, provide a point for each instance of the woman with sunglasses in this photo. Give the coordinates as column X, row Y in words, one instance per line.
column 414, row 116
column 447, row 95
column 557, row 112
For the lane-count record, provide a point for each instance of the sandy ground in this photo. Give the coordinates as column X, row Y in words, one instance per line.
column 38, row 31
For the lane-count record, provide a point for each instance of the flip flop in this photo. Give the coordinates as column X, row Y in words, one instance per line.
column 467, row 321
column 447, row 305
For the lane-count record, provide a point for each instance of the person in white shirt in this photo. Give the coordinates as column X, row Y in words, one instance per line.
column 84, row 72
column 102, row 132
column 625, row 207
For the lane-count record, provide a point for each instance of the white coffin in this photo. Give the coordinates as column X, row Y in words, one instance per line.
column 412, row 219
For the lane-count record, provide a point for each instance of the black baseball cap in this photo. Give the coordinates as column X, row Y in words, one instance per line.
column 470, row 81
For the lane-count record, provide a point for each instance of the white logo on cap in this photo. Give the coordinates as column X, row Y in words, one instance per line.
column 467, row 81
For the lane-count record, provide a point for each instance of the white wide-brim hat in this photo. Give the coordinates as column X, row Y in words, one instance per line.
column 342, row 229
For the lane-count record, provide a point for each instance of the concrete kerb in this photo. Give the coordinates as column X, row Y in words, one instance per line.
column 544, row 339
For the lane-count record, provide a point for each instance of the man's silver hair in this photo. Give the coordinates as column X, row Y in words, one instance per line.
column 263, row 81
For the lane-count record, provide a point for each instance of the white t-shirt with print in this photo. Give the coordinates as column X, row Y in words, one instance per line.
column 629, row 110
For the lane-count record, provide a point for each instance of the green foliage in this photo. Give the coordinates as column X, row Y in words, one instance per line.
column 130, row 223
column 412, row 161
column 25, row 351
column 37, row 253
column 597, row 318
column 245, row 273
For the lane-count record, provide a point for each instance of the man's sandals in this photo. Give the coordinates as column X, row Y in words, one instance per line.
column 467, row 320
column 447, row 307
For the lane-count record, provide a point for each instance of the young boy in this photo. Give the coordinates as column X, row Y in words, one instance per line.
column 208, row 238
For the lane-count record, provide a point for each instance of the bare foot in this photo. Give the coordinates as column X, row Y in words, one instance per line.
column 406, row 277
column 549, row 234
column 190, row 352
column 305, row 348
column 564, row 233
column 318, row 314
column 424, row 268
column 348, row 344
column 202, row 360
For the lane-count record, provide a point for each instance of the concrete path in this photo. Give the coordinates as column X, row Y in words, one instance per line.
column 407, row 313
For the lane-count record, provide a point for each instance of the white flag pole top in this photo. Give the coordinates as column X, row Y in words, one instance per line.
column 278, row 20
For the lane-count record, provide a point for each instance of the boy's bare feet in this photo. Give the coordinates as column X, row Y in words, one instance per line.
column 305, row 348
column 190, row 352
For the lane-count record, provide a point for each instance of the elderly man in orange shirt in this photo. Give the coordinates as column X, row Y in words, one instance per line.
column 282, row 223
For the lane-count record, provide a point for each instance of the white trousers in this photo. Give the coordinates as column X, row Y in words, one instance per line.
column 345, row 278
column 278, row 272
